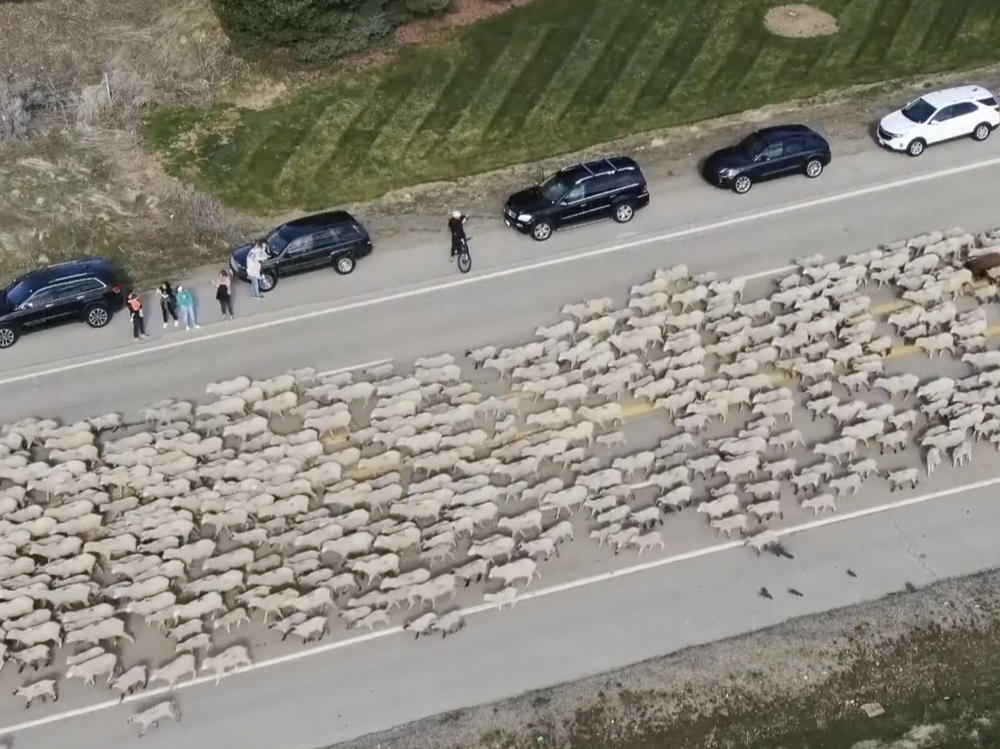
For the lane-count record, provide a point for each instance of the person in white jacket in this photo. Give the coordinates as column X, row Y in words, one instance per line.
column 254, row 258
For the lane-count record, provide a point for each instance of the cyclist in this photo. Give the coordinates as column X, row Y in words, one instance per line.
column 456, row 225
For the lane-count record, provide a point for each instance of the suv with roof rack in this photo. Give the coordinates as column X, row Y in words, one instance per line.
column 598, row 189
column 939, row 116
column 88, row 289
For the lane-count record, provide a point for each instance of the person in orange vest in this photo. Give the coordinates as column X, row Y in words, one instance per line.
column 134, row 304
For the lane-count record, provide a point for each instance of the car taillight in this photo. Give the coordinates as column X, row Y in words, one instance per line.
column 116, row 289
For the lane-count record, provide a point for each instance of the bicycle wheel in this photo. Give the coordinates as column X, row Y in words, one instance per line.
column 464, row 262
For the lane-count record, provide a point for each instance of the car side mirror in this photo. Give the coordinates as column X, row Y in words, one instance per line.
column 27, row 305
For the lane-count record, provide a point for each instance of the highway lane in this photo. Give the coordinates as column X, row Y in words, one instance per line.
column 389, row 680
column 409, row 302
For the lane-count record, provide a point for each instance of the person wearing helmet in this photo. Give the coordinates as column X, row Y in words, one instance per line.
column 456, row 225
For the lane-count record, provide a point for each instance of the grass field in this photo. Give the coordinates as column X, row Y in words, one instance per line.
column 552, row 77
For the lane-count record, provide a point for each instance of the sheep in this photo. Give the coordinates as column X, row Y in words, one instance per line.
column 724, row 505
column 152, row 716
column 898, row 478
column 43, row 632
column 43, row 689
column 936, row 344
column 863, row 468
column 962, row 453
column 761, row 541
column 512, row 572
column 863, row 430
column 819, row 502
column 733, row 523
column 88, row 670
column 129, row 681
column 765, row 510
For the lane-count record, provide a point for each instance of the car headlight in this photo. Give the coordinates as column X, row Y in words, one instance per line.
column 727, row 173
column 524, row 217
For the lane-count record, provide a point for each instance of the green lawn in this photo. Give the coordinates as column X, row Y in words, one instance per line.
column 552, row 77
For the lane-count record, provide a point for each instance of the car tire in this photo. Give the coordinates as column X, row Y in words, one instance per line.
column 742, row 184
column 8, row 336
column 541, row 231
column 814, row 168
column 982, row 131
column 97, row 315
column 268, row 280
column 624, row 212
column 344, row 264
column 916, row 147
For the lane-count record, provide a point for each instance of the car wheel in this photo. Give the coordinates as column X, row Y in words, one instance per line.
column 742, row 184
column 541, row 231
column 982, row 131
column 624, row 213
column 344, row 264
column 97, row 315
column 268, row 280
column 8, row 336
column 916, row 147
column 814, row 168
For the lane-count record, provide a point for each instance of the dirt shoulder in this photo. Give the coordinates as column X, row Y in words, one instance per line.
column 928, row 657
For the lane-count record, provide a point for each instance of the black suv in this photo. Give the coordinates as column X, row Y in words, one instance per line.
column 328, row 239
column 766, row 154
column 607, row 187
column 88, row 289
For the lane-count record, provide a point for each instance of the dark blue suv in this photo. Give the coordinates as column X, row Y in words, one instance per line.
column 88, row 289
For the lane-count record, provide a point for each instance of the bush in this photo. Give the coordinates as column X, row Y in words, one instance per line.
column 18, row 102
column 316, row 30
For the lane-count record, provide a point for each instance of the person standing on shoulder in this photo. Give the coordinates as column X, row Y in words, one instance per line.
column 254, row 258
column 223, row 293
column 134, row 305
column 185, row 301
column 168, row 302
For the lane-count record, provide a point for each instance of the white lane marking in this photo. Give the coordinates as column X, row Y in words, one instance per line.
column 515, row 269
column 479, row 608
column 353, row 367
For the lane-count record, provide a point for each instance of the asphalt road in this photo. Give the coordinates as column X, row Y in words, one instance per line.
column 408, row 301
column 405, row 301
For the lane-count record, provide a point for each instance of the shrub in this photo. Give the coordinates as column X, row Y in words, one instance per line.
column 19, row 101
column 316, row 30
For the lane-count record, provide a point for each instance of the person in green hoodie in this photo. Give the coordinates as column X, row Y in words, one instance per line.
column 185, row 303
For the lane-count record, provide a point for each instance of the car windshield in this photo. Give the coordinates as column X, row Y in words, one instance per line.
column 554, row 187
column 17, row 293
column 918, row 111
column 751, row 145
column 278, row 240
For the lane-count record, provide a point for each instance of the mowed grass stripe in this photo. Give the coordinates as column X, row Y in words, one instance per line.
column 763, row 72
column 561, row 89
column 750, row 39
column 913, row 28
column 426, row 94
column 353, row 148
column 664, row 29
column 683, row 46
column 309, row 161
column 471, row 126
column 608, row 62
column 945, row 27
column 978, row 23
column 527, row 88
column 883, row 26
column 855, row 20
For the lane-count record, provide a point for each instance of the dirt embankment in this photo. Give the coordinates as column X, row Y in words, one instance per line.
column 930, row 658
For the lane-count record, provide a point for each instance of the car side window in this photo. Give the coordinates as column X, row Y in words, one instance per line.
column 43, row 296
column 944, row 114
column 575, row 194
column 603, row 183
column 299, row 245
column 773, row 151
column 625, row 178
column 794, row 146
column 960, row 110
column 78, row 287
column 344, row 233
column 989, row 101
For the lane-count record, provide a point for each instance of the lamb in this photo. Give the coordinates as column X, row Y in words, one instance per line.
column 105, row 664
column 819, row 503
column 130, row 681
column 730, row 524
column 510, row 573
column 898, row 478
column 152, row 716
column 43, row 689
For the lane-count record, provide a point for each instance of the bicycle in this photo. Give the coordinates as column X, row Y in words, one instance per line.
column 464, row 257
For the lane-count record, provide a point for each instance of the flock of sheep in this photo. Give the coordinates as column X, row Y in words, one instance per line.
column 299, row 497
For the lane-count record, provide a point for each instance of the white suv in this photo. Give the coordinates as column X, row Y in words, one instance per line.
column 939, row 116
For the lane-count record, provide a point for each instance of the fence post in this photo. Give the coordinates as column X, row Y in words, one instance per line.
column 107, row 86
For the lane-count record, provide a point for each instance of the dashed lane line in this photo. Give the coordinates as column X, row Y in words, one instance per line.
column 483, row 607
